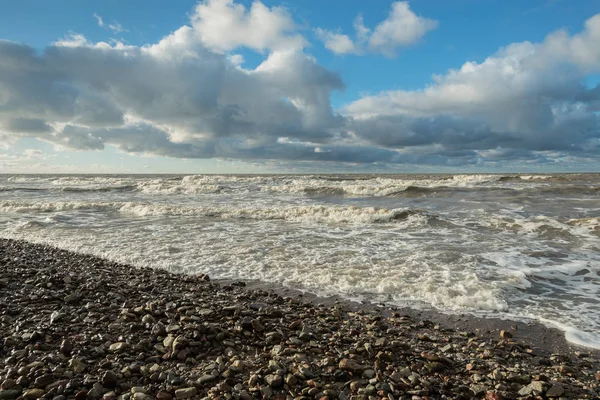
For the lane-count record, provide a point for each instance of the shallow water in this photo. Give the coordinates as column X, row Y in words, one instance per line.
column 514, row 246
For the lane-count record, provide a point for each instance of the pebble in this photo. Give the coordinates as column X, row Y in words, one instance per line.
column 185, row 393
column 193, row 338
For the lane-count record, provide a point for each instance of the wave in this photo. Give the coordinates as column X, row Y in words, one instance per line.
column 20, row 189
column 123, row 188
column 324, row 214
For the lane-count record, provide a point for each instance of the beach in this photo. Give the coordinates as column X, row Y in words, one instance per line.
column 78, row 326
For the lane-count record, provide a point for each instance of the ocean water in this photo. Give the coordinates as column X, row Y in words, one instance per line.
column 514, row 246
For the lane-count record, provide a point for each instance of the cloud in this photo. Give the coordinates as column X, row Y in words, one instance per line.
column 401, row 28
column 337, row 42
column 188, row 96
column 114, row 28
column 526, row 96
column 223, row 25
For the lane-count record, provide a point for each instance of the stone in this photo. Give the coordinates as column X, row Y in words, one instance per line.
column 368, row 374
column 9, row 394
column 163, row 395
column 565, row 370
column 238, row 366
column 96, row 391
column 118, row 347
column 266, row 391
column 291, row 380
column 109, row 379
column 506, row 334
column 66, row 347
column 555, row 391
column 32, row 394
column 77, row 365
column 185, row 393
column 204, row 379
column 347, row 364
column 534, row 388
column 435, row 366
column 273, row 380
column 109, row 396
column 43, row 381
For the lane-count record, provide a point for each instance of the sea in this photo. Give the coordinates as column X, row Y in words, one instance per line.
column 514, row 246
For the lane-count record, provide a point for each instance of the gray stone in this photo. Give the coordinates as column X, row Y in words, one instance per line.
column 555, row 391
column 185, row 393
column 273, row 380
column 204, row 379
column 118, row 347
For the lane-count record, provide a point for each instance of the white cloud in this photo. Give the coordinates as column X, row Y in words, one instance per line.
column 337, row 42
column 224, row 25
column 114, row 28
column 187, row 96
column 401, row 28
column 527, row 95
column 99, row 20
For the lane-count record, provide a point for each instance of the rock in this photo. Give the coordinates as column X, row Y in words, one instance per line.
column 534, row 388
column 66, row 347
column 173, row 328
column 118, row 347
column 9, row 394
column 506, row 334
column 238, row 366
column 43, row 381
column 267, row 392
column 206, row 379
column 32, row 394
column 185, row 393
column 55, row 317
column 368, row 374
column 109, row 379
column 107, row 396
column 273, row 380
column 291, row 380
column 349, row 365
column 257, row 326
column 77, row 365
column 96, row 391
column 162, row 395
column 555, row 391
column 565, row 370
column 435, row 367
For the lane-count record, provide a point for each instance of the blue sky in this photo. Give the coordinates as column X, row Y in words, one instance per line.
column 432, row 85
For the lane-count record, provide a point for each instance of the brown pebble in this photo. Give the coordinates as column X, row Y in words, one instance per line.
column 506, row 334
column 162, row 395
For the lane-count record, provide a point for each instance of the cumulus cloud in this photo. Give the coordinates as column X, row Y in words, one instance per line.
column 224, row 25
column 527, row 96
column 401, row 28
column 188, row 96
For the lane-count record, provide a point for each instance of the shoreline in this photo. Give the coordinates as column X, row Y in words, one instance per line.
column 82, row 327
column 547, row 339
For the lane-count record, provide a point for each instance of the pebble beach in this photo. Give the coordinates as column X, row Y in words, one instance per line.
column 75, row 326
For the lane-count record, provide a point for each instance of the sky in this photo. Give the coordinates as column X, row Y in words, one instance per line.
column 311, row 86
